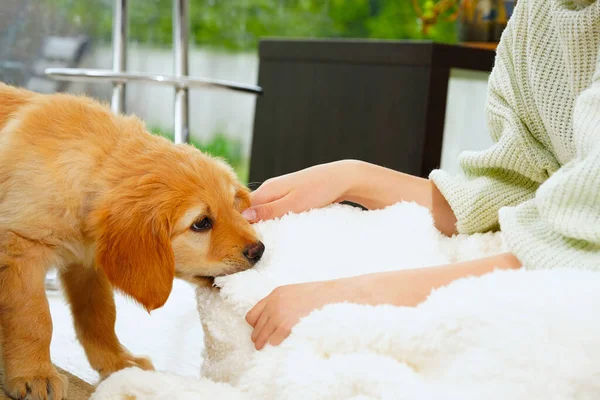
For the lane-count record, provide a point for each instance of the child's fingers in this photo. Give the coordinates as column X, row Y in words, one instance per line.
column 265, row 212
column 265, row 334
column 268, row 192
column 253, row 315
column 279, row 335
column 262, row 321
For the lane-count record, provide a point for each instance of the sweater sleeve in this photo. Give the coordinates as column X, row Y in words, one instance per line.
column 510, row 172
column 560, row 226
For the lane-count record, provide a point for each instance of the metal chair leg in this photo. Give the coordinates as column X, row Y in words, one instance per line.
column 180, row 45
column 52, row 283
column 119, row 51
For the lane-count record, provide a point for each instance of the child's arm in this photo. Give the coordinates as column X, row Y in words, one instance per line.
column 274, row 316
column 377, row 187
column 369, row 185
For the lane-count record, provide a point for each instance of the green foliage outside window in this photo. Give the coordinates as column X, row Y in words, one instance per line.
column 237, row 25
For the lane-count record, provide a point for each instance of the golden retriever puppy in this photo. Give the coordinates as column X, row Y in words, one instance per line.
column 111, row 206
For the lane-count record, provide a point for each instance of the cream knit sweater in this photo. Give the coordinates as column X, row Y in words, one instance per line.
column 540, row 181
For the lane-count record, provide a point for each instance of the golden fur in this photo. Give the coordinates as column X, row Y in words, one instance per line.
column 111, row 206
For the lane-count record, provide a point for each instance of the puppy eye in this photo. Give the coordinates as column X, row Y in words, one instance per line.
column 202, row 225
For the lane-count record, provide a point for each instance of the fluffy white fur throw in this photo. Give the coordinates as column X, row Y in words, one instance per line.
column 517, row 335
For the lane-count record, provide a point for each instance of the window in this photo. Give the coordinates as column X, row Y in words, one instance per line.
column 224, row 36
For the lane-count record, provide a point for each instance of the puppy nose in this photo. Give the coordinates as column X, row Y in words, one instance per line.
column 254, row 252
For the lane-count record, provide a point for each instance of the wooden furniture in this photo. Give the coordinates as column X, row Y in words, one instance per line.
column 378, row 101
column 78, row 389
column 481, row 45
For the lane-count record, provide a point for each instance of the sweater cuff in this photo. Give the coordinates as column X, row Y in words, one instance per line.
column 476, row 201
column 537, row 246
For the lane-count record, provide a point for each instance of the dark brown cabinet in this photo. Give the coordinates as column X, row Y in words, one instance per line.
column 377, row 101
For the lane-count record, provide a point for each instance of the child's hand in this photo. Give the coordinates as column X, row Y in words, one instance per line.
column 274, row 316
column 314, row 187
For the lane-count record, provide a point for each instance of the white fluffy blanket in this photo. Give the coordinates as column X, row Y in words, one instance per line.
column 506, row 335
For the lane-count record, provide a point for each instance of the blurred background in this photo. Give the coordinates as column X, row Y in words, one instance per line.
column 224, row 38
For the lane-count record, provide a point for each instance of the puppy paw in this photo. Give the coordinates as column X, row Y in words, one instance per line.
column 125, row 361
column 43, row 385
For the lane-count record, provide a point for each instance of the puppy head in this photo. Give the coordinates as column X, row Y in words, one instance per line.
column 171, row 211
column 211, row 238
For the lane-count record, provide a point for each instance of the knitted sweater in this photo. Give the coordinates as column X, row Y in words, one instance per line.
column 540, row 181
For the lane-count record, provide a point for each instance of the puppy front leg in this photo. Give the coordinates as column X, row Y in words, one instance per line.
column 26, row 325
column 92, row 304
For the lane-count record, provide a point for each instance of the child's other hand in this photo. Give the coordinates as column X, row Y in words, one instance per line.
column 274, row 316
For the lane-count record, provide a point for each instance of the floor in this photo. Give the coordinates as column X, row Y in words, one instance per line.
column 171, row 336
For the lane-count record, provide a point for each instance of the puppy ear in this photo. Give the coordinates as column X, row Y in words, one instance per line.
column 242, row 198
column 135, row 252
